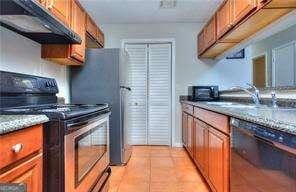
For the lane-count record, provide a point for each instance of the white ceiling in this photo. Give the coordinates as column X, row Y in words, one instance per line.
column 148, row 11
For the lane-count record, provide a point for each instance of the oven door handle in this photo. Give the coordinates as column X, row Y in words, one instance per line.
column 77, row 124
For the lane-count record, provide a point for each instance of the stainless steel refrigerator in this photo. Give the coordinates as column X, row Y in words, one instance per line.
column 104, row 79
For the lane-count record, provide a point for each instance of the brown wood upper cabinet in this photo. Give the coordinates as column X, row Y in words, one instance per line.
column 91, row 27
column 101, row 37
column 241, row 8
column 69, row 54
column 236, row 20
column 60, row 8
column 223, row 18
column 210, row 33
column 200, row 42
column 78, row 25
column 95, row 37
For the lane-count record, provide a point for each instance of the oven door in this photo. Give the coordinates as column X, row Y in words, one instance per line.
column 86, row 153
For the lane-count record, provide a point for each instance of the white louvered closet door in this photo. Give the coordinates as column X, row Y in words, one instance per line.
column 137, row 104
column 150, row 99
column 159, row 94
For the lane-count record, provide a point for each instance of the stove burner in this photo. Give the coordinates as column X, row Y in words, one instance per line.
column 55, row 110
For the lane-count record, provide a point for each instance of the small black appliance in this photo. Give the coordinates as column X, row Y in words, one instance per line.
column 203, row 93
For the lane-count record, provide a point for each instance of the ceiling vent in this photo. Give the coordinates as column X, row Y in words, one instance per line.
column 167, row 4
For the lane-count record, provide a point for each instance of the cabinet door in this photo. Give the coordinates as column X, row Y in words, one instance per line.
column 201, row 145
column 184, row 129
column 200, row 42
column 91, row 27
column 78, row 25
column 61, row 9
column 101, row 37
column 241, row 8
column 218, row 160
column 190, row 134
column 29, row 173
column 210, row 33
column 223, row 19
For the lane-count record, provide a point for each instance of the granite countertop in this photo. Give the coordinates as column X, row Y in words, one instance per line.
column 9, row 123
column 282, row 119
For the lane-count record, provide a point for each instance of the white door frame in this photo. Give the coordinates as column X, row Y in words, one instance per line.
column 173, row 93
column 273, row 58
column 266, row 67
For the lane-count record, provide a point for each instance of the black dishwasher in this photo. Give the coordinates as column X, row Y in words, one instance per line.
column 262, row 159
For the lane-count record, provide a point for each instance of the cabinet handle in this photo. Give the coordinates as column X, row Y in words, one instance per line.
column 17, row 148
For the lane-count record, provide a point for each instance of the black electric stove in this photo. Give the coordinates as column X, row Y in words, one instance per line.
column 70, row 127
column 27, row 94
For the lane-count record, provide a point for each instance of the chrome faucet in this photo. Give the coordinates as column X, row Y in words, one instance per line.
column 274, row 99
column 255, row 96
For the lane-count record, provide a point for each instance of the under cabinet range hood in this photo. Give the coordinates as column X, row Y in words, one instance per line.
column 30, row 19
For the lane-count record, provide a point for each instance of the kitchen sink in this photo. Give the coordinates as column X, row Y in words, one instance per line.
column 234, row 105
column 248, row 106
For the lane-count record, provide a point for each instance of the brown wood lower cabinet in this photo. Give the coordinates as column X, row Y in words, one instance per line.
column 184, row 129
column 201, row 146
column 190, row 135
column 218, row 144
column 209, row 146
column 21, row 158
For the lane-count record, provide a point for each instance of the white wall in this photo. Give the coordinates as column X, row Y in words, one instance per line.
column 189, row 70
column 22, row 55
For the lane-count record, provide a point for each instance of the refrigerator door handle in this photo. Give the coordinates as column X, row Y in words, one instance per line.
column 124, row 87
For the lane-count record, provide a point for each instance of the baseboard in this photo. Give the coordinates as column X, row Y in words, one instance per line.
column 177, row 145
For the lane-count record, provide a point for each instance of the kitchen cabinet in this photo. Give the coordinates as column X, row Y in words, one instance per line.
column 218, row 156
column 223, row 18
column 78, row 25
column 60, row 9
column 241, row 9
column 237, row 20
column 184, row 128
column 21, row 157
column 210, row 33
column 95, row 37
column 207, row 138
column 73, row 54
column 190, row 135
column 201, row 146
column 101, row 37
column 200, row 42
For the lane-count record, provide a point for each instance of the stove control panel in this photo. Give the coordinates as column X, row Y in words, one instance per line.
column 21, row 83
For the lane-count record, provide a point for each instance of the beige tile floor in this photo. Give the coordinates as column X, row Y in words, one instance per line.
column 157, row 169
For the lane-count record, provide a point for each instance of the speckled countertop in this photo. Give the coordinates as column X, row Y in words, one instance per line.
column 280, row 119
column 9, row 123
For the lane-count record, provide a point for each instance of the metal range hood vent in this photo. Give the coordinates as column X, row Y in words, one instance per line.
column 28, row 18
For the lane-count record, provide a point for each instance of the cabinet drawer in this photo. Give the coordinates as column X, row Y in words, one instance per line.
column 187, row 108
column 220, row 122
column 19, row 144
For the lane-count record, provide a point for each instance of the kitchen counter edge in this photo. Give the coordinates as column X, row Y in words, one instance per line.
column 267, row 122
column 10, row 123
